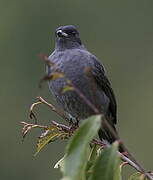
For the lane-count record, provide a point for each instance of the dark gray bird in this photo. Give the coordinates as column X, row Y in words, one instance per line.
column 72, row 58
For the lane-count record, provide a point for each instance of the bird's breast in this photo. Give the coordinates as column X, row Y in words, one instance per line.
column 74, row 66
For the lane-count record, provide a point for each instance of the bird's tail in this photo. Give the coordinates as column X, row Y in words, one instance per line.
column 106, row 136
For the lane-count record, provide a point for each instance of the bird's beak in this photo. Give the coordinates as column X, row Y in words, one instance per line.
column 60, row 33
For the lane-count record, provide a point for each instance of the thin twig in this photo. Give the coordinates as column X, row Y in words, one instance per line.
column 135, row 166
column 34, row 125
column 32, row 114
column 62, row 126
column 52, row 107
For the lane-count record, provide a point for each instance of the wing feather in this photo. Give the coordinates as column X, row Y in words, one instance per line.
column 99, row 74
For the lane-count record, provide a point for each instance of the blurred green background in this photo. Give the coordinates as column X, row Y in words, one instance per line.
column 119, row 32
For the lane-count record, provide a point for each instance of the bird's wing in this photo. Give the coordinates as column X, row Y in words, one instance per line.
column 99, row 74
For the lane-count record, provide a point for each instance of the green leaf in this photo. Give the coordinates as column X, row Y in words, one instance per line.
column 78, row 149
column 91, row 160
column 67, row 88
column 51, row 77
column 56, row 75
column 107, row 165
column 51, row 136
column 137, row 176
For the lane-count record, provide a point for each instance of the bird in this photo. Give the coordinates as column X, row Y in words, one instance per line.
column 87, row 74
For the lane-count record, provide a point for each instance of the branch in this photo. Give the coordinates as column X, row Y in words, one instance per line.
column 60, row 113
column 51, row 106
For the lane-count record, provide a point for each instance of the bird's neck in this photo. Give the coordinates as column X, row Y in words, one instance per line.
column 62, row 45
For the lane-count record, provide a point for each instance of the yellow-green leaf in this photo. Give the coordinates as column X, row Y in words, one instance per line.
column 46, row 139
column 67, row 88
column 56, row 75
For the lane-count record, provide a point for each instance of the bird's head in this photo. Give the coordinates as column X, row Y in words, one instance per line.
column 67, row 37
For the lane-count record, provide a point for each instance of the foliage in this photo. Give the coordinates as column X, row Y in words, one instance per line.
column 81, row 161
